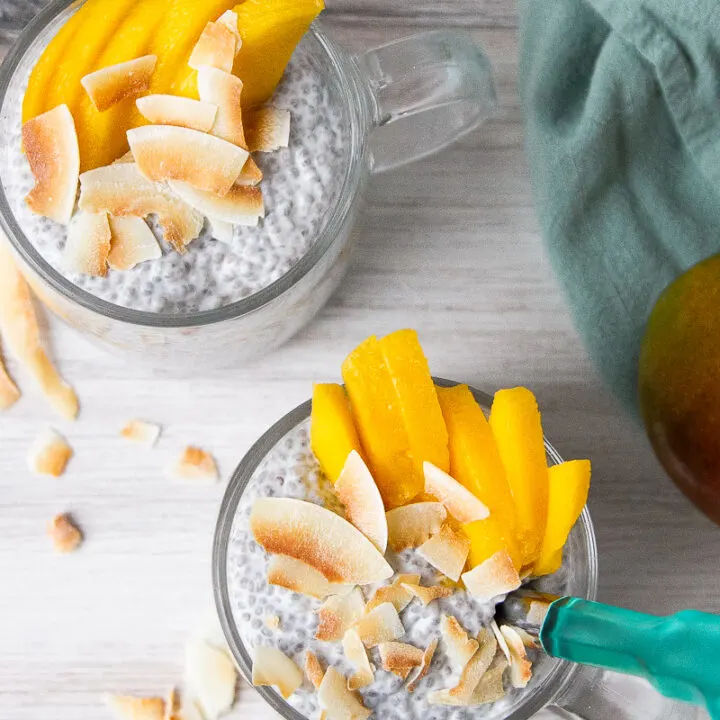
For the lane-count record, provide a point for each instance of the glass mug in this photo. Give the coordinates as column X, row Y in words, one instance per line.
column 562, row 691
column 399, row 102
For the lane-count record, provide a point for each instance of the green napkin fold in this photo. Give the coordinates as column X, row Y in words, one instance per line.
column 622, row 105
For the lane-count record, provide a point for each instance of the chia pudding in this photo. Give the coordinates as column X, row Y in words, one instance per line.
column 290, row 470
column 301, row 187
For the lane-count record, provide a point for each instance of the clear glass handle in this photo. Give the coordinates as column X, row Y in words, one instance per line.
column 429, row 90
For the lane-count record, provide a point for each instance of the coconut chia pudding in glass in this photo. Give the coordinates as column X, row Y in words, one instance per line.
column 226, row 262
column 271, row 606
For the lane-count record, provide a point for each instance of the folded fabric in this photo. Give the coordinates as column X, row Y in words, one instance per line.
column 622, row 105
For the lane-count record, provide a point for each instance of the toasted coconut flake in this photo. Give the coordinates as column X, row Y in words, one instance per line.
column 125, row 159
column 251, row 174
column 363, row 503
column 427, row 659
column 396, row 594
column 301, row 578
column 355, row 652
column 65, row 534
column 211, row 678
column 120, row 190
column 502, row 644
column 381, row 625
column 113, row 84
column 88, row 244
column 491, row 687
column 339, row 702
column 338, row 614
column 125, row 707
column 49, row 454
column 230, row 20
column 527, row 639
column 133, row 242
column 273, row 668
column 224, row 91
column 172, row 706
column 313, row 669
column 51, row 146
column 447, row 552
column 496, row 576
column 520, row 666
column 165, row 152
column 222, row 231
column 272, row 622
column 427, row 594
column 459, row 646
column 461, row 694
column 242, row 205
column 457, row 499
column 141, row 432
column 9, row 392
column 195, row 464
column 400, row 658
column 267, row 129
column 319, row 538
column 215, row 48
column 19, row 328
column 537, row 612
column 178, row 111
column 410, row 526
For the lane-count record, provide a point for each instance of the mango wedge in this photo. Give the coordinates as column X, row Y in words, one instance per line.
column 569, row 485
column 488, row 537
column 397, row 413
column 516, row 425
column 332, row 429
column 474, row 457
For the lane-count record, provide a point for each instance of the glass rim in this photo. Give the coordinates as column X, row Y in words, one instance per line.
column 358, row 111
column 553, row 683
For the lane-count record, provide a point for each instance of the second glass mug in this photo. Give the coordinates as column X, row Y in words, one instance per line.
column 563, row 692
column 399, row 102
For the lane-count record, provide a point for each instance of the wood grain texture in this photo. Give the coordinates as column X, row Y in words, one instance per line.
column 450, row 246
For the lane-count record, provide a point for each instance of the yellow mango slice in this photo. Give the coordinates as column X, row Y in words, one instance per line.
column 488, row 537
column 332, row 429
column 474, row 457
column 517, row 428
column 397, row 413
column 569, row 485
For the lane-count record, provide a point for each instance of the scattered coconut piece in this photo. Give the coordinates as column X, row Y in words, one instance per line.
column 221, row 230
column 224, row 91
column 313, row 669
column 133, row 242
column 51, row 146
column 273, row 668
column 456, row 498
column 496, row 576
column 9, row 392
column 520, row 666
column 272, row 622
column 338, row 614
column 49, row 454
column 251, row 174
column 502, row 644
column 178, row 111
column 363, row 503
column 411, row 525
column 300, row 577
column 447, row 552
column 380, row 625
column 215, row 48
column 241, row 205
column 113, row 84
column 165, row 152
column 64, row 533
column 537, row 612
column 355, row 652
column 125, row 707
column 319, row 538
column 527, row 639
column 267, row 129
column 172, row 706
column 461, row 694
column 459, row 646
column 211, row 678
column 88, row 244
column 396, row 594
column 400, row 658
column 338, row 702
column 427, row 659
column 195, row 464
column 427, row 594
column 120, row 190
column 491, row 687
column 230, row 20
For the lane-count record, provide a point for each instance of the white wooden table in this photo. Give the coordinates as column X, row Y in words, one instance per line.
column 449, row 246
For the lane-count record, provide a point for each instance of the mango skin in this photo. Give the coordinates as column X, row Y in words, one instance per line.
column 679, row 384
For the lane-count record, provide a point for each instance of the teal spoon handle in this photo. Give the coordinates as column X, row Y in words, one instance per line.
column 679, row 655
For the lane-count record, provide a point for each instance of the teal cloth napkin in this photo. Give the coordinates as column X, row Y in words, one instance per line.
column 622, row 106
